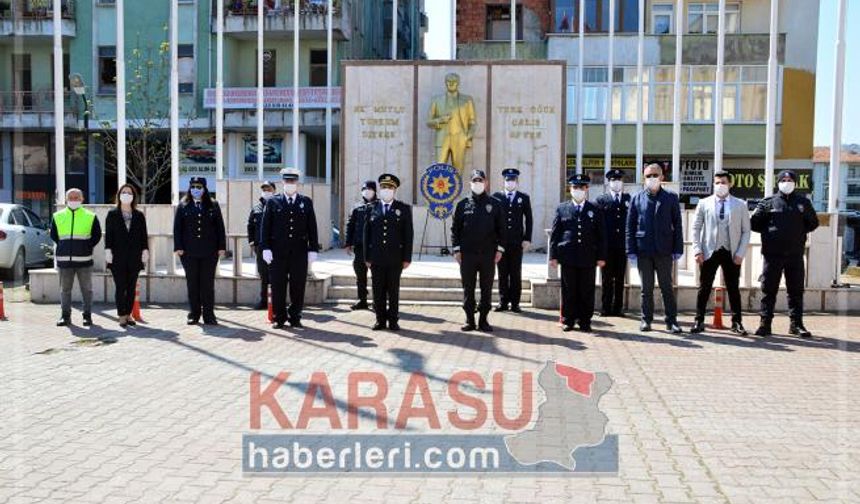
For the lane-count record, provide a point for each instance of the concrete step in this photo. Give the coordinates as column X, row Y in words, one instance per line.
column 410, row 294
column 419, row 282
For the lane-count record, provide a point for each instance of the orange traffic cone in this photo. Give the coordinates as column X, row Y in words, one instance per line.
column 135, row 308
column 2, row 309
column 718, row 309
column 271, row 314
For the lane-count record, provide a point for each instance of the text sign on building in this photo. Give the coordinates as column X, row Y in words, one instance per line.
column 696, row 176
column 274, row 98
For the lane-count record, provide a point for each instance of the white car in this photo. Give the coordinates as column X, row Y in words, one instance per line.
column 25, row 241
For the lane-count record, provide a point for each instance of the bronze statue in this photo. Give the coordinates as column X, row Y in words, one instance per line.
column 452, row 115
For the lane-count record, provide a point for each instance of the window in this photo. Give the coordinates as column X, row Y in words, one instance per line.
column 499, row 22
column 704, row 17
column 566, row 16
column 107, row 69
column 185, row 55
column 106, row 2
column 19, row 218
column 269, row 68
column 65, row 71
column 662, row 19
column 319, row 67
column 34, row 219
column 22, row 81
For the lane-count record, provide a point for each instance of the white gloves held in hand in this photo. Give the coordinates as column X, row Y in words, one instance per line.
column 267, row 256
column 108, row 256
column 312, row 256
column 144, row 256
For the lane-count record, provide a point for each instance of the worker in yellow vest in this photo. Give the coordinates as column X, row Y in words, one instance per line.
column 76, row 231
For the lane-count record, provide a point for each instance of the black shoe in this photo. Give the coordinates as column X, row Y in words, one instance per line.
column 605, row 313
column 261, row 305
column 645, row 326
column 468, row 326
column 64, row 321
column 585, row 326
column 210, row 321
column 88, row 319
column 123, row 324
column 360, row 305
column 516, row 308
column 394, row 326
column 567, row 327
column 130, row 321
column 799, row 330
column 698, row 327
column 739, row 328
column 763, row 330
column 379, row 326
column 501, row 307
column 296, row 324
column 192, row 320
column 277, row 325
column 618, row 313
column 484, row 326
column 674, row 328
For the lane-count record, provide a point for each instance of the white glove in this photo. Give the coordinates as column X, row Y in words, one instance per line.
column 108, row 256
column 312, row 256
column 144, row 256
column 526, row 245
column 267, row 256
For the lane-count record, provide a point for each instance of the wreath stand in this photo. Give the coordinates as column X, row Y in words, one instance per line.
column 443, row 249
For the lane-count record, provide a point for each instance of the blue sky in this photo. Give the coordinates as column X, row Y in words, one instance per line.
column 437, row 45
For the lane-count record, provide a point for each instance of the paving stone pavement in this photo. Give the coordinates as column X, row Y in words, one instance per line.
column 158, row 415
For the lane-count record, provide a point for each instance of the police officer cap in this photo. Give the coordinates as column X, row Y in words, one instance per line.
column 614, row 174
column 267, row 183
column 479, row 174
column 290, row 174
column 197, row 180
column 510, row 173
column 787, row 173
column 582, row 179
column 389, row 179
column 369, row 184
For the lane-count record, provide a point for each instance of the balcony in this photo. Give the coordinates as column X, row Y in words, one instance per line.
column 35, row 18
column 240, row 19
column 34, row 109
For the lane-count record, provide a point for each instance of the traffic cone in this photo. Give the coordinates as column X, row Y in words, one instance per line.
column 718, row 309
column 2, row 309
column 271, row 313
column 135, row 308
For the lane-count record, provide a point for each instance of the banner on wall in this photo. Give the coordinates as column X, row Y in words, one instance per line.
column 197, row 155
column 273, row 155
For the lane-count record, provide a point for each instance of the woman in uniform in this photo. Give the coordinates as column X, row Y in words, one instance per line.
column 199, row 240
column 126, row 249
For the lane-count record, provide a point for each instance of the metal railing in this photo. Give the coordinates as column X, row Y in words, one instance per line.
column 37, row 10
column 16, row 102
column 280, row 7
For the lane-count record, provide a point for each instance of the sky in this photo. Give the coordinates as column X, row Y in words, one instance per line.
column 438, row 46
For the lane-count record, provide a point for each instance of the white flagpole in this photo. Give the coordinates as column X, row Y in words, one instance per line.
column 718, row 112
column 836, row 138
column 580, row 94
column 453, row 29
column 640, row 51
column 296, row 89
column 59, row 114
column 120, row 94
column 770, row 128
column 607, row 149
column 394, row 29
column 219, row 92
column 676, row 102
column 260, row 128
column 328, row 128
column 513, row 29
column 174, row 101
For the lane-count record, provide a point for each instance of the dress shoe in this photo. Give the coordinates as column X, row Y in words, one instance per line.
column 516, row 308
column 799, row 330
column 379, row 326
column 698, row 327
column 277, row 325
column 739, row 328
column 484, row 326
column 296, row 324
column 64, row 321
column 468, row 326
column 645, row 326
column 192, row 321
column 88, row 319
column 360, row 305
column 261, row 305
column 123, row 322
column 567, row 327
column 618, row 313
column 394, row 326
column 130, row 321
column 585, row 327
column 210, row 321
column 605, row 313
column 674, row 328
column 501, row 307
column 763, row 330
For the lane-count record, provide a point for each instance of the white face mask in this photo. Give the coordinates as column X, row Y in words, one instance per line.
column 478, row 187
column 786, row 187
column 368, row 194
column 616, row 185
column 510, row 185
column 387, row 195
column 578, row 195
column 126, row 198
column 266, row 194
column 290, row 189
column 652, row 183
column 721, row 190
column 74, row 205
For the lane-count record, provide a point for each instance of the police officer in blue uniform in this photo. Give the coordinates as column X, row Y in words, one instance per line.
column 199, row 239
column 388, row 250
column 578, row 244
column 517, row 207
column 614, row 204
column 355, row 240
column 783, row 220
column 267, row 190
column 290, row 243
column 478, row 237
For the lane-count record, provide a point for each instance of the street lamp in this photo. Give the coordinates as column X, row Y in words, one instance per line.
column 76, row 82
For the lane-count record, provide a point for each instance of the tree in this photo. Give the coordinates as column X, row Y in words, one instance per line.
column 147, row 121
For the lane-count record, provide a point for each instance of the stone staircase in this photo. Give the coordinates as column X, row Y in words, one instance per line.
column 418, row 291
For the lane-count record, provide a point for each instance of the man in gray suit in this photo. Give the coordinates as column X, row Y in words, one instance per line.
column 721, row 233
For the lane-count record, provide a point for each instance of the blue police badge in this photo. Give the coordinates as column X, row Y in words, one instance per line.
column 489, row 208
column 440, row 185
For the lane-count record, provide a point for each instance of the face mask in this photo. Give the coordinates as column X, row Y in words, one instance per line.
column 510, row 185
column 478, row 187
column 786, row 187
column 291, row 189
column 74, row 205
column 266, row 194
column 616, row 185
column 368, row 194
column 721, row 190
column 577, row 194
column 126, row 198
column 387, row 195
column 652, row 183
column 196, row 193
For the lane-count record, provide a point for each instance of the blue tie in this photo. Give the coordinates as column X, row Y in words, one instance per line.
column 722, row 209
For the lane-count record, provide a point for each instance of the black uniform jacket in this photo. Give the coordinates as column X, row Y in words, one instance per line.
column 784, row 222
column 289, row 227
column 518, row 217
column 578, row 240
column 614, row 218
column 199, row 231
column 388, row 238
column 479, row 225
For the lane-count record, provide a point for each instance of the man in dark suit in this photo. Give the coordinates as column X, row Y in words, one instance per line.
column 290, row 244
column 267, row 190
column 518, row 235
column 614, row 204
column 388, row 250
column 578, row 243
column 478, row 235
column 355, row 241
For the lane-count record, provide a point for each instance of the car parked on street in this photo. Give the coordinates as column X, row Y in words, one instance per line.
column 25, row 241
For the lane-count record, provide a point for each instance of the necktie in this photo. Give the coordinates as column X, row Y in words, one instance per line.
column 511, row 198
column 722, row 209
column 618, row 198
column 385, row 209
